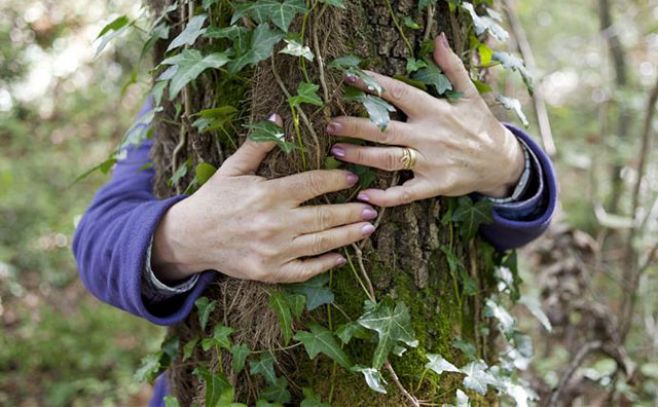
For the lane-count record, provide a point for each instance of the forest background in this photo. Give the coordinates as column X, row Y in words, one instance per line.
column 63, row 109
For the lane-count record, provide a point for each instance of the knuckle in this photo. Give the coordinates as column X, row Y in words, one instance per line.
column 398, row 92
column 405, row 197
column 321, row 243
column 324, row 218
column 392, row 161
column 314, row 183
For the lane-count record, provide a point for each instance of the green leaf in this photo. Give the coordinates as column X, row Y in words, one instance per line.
column 466, row 347
column 277, row 391
column 477, row 378
column 315, row 290
column 439, row 365
column 265, row 131
column 311, row 399
column 219, row 392
column 171, row 401
column 514, row 63
column 189, row 35
column 188, row 349
column 392, row 325
column 239, row 353
column 279, row 13
column 264, row 367
column 297, row 50
column 112, row 30
column 410, row 23
column 220, row 337
column 262, row 43
column 306, row 93
column 505, row 320
column 265, row 403
column 205, row 307
column 281, row 308
column 431, row 75
column 351, row 330
column 322, row 340
column 414, row 64
column 535, row 309
column 515, row 106
column 203, row 172
column 347, row 61
column 374, row 378
column 189, row 65
column 471, row 215
column 149, row 369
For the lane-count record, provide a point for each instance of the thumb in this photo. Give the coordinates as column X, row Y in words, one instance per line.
column 247, row 158
column 452, row 66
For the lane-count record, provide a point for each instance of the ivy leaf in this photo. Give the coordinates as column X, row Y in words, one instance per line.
column 262, row 43
column 477, row 378
column 466, row 347
column 189, row 35
column 535, row 309
column 297, row 50
column 188, row 349
column 392, row 325
column 264, row 367
column 265, row 403
column 219, row 391
column 374, row 378
column 431, row 75
column 205, row 307
column 239, row 353
column 220, row 337
column 485, row 23
column 306, row 93
column 112, row 30
column 351, row 330
column 203, row 172
column 410, row 23
column 266, row 130
column 190, row 64
column 311, row 399
column 315, row 290
column 171, row 401
column 149, row 368
column 322, row 340
column 439, row 365
column 277, row 391
column 346, row 61
column 414, row 65
column 461, row 399
column 471, row 215
column 281, row 308
column 334, row 3
column 515, row 106
column 514, row 63
column 280, row 13
column 505, row 320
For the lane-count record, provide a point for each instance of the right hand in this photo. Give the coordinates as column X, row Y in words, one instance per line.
column 251, row 228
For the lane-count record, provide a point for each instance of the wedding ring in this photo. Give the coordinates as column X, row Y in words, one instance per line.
column 408, row 158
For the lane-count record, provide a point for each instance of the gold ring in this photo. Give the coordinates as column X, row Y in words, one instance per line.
column 408, row 158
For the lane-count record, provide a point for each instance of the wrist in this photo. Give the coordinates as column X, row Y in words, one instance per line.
column 171, row 258
column 511, row 171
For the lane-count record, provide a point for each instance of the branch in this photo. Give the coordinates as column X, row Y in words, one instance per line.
column 578, row 360
column 537, row 96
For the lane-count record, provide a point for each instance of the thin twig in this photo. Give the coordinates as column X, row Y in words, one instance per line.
column 413, row 400
column 364, row 272
column 430, row 22
column 577, row 361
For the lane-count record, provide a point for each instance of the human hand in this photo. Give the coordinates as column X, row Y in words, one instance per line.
column 251, row 228
column 460, row 146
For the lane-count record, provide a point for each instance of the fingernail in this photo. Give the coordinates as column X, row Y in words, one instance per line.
column 341, row 261
column 369, row 214
column 338, row 151
column 367, row 229
column 352, row 179
column 333, row 127
column 444, row 40
column 350, row 78
column 273, row 117
column 363, row 197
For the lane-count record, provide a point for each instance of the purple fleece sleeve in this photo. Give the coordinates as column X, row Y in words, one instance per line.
column 509, row 230
column 111, row 240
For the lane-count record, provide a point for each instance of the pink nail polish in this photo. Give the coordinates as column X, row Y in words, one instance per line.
column 368, row 214
column 352, row 179
column 444, row 40
column 350, row 78
column 333, row 128
column 272, row 117
column 363, row 197
column 367, row 229
column 341, row 261
column 338, row 151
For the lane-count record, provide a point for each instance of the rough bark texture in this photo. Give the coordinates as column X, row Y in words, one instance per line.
column 403, row 257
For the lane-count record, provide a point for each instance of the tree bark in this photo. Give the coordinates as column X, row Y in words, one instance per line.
column 403, row 258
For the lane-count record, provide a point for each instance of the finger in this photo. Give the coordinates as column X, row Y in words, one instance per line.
column 396, row 133
column 411, row 191
column 384, row 158
column 322, row 217
column 412, row 101
column 453, row 66
column 314, row 244
column 298, row 271
column 307, row 185
column 249, row 156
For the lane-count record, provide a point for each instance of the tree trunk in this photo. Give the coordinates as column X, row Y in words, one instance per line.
column 404, row 258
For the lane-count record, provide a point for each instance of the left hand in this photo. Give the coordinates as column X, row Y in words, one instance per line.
column 460, row 147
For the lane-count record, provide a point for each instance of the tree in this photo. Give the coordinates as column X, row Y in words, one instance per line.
column 411, row 298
